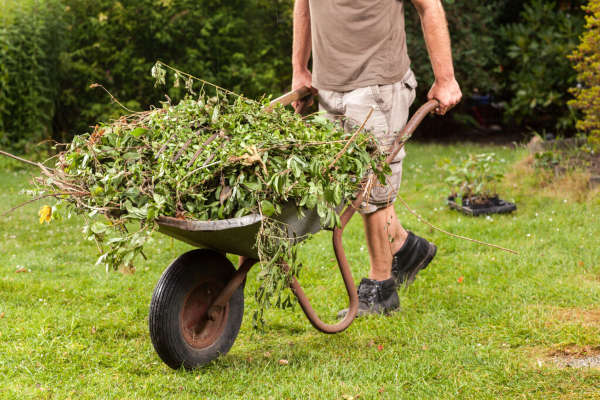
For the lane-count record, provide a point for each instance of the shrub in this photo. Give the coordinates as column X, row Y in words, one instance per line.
column 473, row 31
column 511, row 49
column 537, row 71
column 475, row 176
column 587, row 65
column 31, row 39
column 52, row 50
column 242, row 45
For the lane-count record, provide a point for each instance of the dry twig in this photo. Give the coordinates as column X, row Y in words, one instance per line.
column 337, row 157
column 452, row 234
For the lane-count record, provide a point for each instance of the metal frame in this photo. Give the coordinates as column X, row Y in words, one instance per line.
column 344, row 267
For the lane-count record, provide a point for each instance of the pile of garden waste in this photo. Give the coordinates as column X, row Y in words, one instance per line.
column 208, row 157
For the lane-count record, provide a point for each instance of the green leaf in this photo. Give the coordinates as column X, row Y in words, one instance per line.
column 267, row 208
column 254, row 186
column 98, row 228
column 137, row 132
column 131, row 156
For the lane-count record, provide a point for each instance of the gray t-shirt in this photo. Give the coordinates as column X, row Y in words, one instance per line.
column 357, row 43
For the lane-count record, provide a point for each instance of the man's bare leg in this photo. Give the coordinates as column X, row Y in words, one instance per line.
column 385, row 236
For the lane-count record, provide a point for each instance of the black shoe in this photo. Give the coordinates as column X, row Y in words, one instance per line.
column 375, row 297
column 414, row 255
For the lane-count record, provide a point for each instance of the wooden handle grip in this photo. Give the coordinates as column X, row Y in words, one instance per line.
column 289, row 98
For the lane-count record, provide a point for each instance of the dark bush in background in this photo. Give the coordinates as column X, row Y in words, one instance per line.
column 514, row 50
column 31, row 39
column 52, row 50
column 473, row 28
column 537, row 73
column 238, row 44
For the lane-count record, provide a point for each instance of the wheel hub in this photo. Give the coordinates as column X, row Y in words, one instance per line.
column 200, row 331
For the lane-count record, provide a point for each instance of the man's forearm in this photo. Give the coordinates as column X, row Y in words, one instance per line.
column 301, row 46
column 437, row 38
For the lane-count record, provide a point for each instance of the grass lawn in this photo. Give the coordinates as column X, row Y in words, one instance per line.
column 477, row 323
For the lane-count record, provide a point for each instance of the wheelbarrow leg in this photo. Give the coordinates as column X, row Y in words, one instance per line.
column 236, row 280
column 344, row 267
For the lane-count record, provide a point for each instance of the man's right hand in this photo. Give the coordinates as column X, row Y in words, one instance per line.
column 301, row 78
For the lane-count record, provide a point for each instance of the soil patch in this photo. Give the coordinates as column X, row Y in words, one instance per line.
column 573, row 356
column 591, row 277
column 577, row 316
column 566, row 356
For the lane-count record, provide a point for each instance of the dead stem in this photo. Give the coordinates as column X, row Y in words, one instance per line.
column 341, row 153
column 203, row 81
column 452, row 234
column 36, row 199
column 35, row 164
column 96, row 85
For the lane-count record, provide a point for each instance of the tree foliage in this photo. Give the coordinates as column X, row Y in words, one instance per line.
column 587, row 65
column 238, row 44
column 53, row 50
column 474, row 39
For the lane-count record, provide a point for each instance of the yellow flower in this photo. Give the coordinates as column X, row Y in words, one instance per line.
column 45, row 214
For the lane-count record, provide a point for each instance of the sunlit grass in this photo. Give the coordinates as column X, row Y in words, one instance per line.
column 70, row 329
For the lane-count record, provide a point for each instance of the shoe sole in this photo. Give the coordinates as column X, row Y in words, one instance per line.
column 367, row 313
column 431, row 252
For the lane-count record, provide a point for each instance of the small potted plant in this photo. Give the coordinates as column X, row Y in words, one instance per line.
column 473, row 183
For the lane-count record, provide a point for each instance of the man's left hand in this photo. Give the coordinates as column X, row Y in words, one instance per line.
column 447, row 93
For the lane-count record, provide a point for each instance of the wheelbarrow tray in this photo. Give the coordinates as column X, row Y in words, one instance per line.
column 238, row 235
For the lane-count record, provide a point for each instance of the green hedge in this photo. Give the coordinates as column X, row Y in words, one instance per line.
column 52, row 51
column 513, row 49
column 31, row 39
column 473, row 31
column 536, row 70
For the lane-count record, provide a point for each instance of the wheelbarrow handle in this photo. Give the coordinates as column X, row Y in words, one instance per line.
column 411, row 126
column 289, row 98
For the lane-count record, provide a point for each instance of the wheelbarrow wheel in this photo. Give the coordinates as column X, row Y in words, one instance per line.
column 180, row 330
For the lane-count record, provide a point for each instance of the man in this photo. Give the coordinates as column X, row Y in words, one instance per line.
column 360, row 62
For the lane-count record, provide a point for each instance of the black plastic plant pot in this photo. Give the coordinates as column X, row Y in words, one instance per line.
column 475, row 206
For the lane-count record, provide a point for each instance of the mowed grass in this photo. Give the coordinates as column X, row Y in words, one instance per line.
column 477, row 323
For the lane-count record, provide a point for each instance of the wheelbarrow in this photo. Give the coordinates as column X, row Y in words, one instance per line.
column 198, row 304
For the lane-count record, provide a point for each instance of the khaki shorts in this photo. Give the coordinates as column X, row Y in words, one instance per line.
column 391, row 104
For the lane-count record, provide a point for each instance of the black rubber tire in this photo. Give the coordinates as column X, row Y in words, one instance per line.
column 179, row 280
